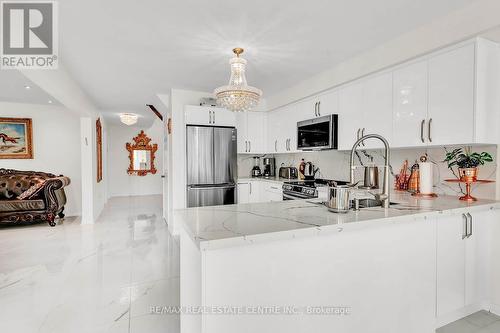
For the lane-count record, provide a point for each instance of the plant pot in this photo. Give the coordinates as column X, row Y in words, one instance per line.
column 468, row 174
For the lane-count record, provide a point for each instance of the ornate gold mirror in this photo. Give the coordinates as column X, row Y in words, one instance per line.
column 141, row 155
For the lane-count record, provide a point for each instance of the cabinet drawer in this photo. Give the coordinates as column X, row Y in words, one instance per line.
column 273, row 187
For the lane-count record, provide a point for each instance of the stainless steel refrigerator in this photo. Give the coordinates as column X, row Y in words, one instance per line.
column 211, row 165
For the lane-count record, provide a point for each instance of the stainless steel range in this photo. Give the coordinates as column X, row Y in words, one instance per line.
column 305, row 189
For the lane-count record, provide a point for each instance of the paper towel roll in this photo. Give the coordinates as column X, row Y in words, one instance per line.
column 426, row 179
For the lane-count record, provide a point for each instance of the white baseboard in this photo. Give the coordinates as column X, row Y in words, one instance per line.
column 458, row 314
column 494, row 308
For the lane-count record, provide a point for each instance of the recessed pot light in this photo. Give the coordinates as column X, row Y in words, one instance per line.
column 27, row 87
column 50, row 101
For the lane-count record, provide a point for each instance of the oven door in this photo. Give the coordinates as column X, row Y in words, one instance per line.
column 318, row 133
column 295, row 196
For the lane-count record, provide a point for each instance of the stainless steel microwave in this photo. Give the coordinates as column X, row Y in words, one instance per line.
column 319, row 133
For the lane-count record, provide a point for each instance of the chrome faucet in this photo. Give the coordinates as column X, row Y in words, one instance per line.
column 384, row 197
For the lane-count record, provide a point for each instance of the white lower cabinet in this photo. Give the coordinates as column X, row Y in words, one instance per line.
column 249, row 191
column 272, row 192
column 253, row 191
column 462, row 264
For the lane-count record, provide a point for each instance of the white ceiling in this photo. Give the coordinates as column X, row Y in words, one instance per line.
column 13, row 89
column 123, row 52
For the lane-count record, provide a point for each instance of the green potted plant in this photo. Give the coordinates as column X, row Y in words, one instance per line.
column 467, row 162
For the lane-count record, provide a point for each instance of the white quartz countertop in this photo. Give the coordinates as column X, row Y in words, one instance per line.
column 243, row 224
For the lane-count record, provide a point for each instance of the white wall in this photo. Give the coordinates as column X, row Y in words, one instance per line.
column 94, row 194
column 465, row 23
column 56, row 145
column 120, row 183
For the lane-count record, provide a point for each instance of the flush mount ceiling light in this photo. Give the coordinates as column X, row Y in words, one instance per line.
column 238, row 95
column 128, row 118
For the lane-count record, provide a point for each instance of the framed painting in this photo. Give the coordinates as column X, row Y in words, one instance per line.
column 16, row 138
column 98, row 135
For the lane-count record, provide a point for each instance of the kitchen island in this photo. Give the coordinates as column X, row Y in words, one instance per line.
column 295, row 267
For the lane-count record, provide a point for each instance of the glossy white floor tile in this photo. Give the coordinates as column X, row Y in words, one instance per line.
column 479, row 322
column 91, row 278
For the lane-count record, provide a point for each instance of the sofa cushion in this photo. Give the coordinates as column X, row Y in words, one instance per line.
column 13, row 185
column 21, row 205
column 33, row 192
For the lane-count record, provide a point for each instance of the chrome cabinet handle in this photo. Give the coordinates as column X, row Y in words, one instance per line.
column 250, row 187
column 422, row 130
column 429, row 133
column 357, row 136
column 275, row 145
column 466, row 226
column 319, row 108
column 249, row 146
column 288, row 144
column 316, row 109
column 362, row 135
column 210, row 116
column 470, row 225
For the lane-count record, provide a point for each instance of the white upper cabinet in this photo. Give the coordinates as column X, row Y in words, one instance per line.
column 377, row 109
column 451, row 97
column 318, row 106
column 282, row 129
column 446, row 98
column 242, row 129
column 365, row 107
column 251, row 132
column 350, row 112
column 410, row 105
column 211, row 116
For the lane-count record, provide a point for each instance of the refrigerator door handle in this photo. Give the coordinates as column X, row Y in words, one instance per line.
column 202, row 187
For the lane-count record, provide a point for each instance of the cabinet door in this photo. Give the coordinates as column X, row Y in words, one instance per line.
column 451, row 97
column 410, row 105
column 255, row 131
column 450, row 264
column 255, row 191
column 223, row 117
column 197, row 115
column 290, row 118
column 350, row 113
column 328, row 103
column 242, row 126
column 477, row 258
column 243, row 192
column 377, row 109
column 307, row 109
column 277, row 130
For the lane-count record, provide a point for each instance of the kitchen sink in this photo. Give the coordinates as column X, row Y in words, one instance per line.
column 369, row 203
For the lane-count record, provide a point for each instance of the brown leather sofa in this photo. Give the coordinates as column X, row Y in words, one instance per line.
column 42, row 194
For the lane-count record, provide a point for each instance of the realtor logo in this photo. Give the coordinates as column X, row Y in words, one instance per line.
column 28, row 35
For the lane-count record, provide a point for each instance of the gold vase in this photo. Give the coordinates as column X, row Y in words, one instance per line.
column 468, row 174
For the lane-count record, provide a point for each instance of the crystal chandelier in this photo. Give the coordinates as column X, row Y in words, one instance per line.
column 128, row 118
column 237, row 96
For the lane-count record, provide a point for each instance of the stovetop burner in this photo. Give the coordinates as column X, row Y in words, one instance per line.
column 305, row 189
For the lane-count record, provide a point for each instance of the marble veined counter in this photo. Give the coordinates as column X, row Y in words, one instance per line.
column 233, row 225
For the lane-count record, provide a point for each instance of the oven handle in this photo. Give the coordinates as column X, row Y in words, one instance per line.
column 295, row 196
